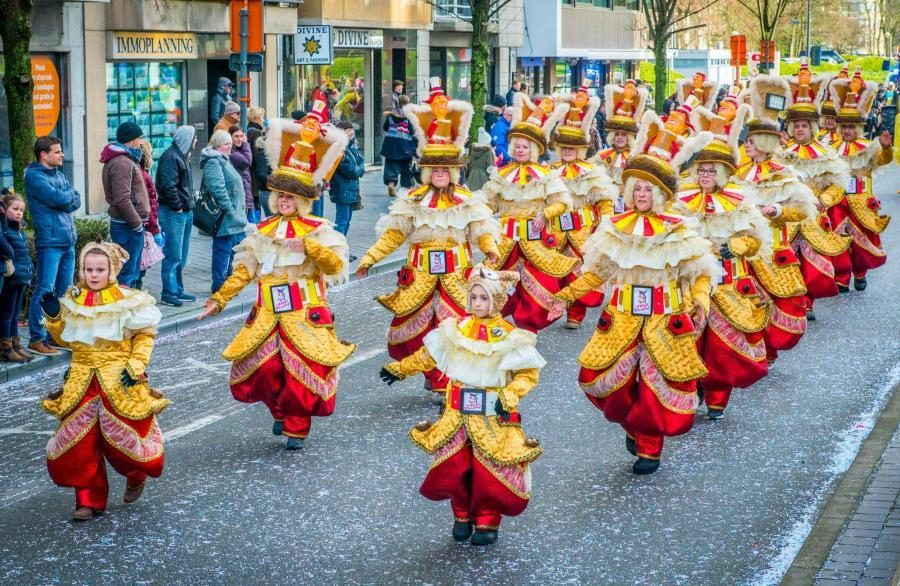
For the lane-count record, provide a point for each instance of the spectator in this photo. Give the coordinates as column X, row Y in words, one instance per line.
column 600, row 120
column 225, row 184
column 259, row 168
column 511, row 93
column 298, row 115
column 151, row 224
column 493, row 112
column 241, row 158
column 670, row 104
column 231, row 117
column 222, row 97
column 13, row 290
column 481, row 159
column 498, row 136
column 6, row 252
column 344, row 190
column 127, row 197
column 52, row 200
column 398, row 148
column 175, row 190
column 395, row 95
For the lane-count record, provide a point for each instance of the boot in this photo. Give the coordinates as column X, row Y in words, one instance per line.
column 645, row 466
column 83, row 514
column 860, row 283
column 133, row 493
column 392, row 191
column 294, row 443
column 843, row 288
column 484, row 537
column 8, row 354
column 20, row 350
column 462, row 530
column 277, row 427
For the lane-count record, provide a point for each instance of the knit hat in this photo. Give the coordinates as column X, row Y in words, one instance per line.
column 232, row 108
column 116, row 254
column 497, row 284
column 128, row 131
column 441, row 127
column 624, row 106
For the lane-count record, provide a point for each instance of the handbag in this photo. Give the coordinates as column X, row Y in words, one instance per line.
column 152, row 252
column 208, row 216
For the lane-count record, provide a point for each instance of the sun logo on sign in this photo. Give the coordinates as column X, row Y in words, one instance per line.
column 311, row 46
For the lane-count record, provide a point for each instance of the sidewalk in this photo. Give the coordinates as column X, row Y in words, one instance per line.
column 197, row 273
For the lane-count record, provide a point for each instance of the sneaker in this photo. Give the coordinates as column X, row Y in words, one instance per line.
column 170, row 300
column 41, row 347
column 189, row 297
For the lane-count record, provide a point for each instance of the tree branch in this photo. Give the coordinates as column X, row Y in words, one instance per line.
column 690, row 14
column 452, row 13
column 496, row 10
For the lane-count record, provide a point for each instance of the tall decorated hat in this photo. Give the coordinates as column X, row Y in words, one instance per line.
column 804, row 88
column 852, row 98
column 534, row 121
column 625, row 105
column 441, row 126
column 697, row 86
column 768, row 96
column 307, row 152
column 578, row 110
column 823, row 98
column 724, row 147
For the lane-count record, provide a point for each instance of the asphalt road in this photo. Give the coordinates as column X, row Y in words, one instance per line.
column 731, row 503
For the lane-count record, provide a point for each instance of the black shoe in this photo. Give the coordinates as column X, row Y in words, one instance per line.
column 294, row 443
column 170, row 300
column 631, row 445
column 715, row 413
column 462, row 530
column 860, row 284
column 645, row 466
column 843, row 288
column 277, row 427
column 484, row 537
column 353, row 257
column 810, row 315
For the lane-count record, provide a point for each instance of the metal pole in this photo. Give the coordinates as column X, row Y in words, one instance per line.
column 808, row 29
column 242, row 85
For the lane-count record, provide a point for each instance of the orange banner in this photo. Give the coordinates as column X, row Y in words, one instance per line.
column 46, row 94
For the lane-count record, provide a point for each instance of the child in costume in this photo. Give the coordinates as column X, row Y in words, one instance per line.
column 287, row 354
column 480, row 453
column 106, row 408
column 443, row 221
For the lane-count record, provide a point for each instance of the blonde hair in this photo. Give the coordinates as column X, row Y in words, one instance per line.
column 766, row 143
column 219, row 138
column 659, row 197
column 535, row 150
column 147, row 157
column 722, row 174
column 11, row 197
column 256, row 114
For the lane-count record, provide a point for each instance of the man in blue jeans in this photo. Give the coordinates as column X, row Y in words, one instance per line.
column 127, row 197
column 51, row 200
column 175, row 192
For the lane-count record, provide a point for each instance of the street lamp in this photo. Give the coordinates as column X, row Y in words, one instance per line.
column 808, row 28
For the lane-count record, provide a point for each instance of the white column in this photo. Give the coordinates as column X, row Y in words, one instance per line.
column 423, row 64
column 73, row 37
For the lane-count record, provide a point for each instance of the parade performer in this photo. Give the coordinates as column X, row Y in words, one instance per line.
column 593, row 193
column 825, row 173
column 858, row 212
column 441, row 220
column 828, row 130
column 624, row 106
column 287, row 354
column 699, row 90
column 731, row 345
column 528, row 198
column 480, row 453
column 679, row 124
column 642, row 364
column 785, row 201
column 106, row 408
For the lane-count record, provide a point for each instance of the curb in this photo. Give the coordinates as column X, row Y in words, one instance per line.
column 177, row 325
column 845, row 499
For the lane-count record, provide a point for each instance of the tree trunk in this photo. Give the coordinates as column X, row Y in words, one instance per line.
column 15, row 31
column 661, row 74
column 480, row 54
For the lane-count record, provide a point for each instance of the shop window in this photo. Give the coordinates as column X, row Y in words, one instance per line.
column 148, row 94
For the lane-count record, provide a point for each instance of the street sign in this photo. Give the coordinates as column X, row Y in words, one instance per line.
column 313, row 45
column 254, row 25
column 254, row 62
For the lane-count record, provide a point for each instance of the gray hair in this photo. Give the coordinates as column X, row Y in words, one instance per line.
column 219, row 138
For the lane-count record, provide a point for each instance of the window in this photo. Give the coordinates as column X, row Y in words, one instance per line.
column 628, row 4
column 451, row 9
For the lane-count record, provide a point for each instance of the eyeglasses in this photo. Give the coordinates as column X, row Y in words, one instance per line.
column 702, row 171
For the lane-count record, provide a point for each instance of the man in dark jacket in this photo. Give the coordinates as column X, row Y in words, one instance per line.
column 126, row 196
column 344, row 190
column 222, row 97
column 51, row 200
column 175, row 191
column 493, row 112
column 511, row 94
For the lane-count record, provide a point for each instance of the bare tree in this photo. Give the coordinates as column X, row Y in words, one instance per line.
column 768, row 13
column 664, row 20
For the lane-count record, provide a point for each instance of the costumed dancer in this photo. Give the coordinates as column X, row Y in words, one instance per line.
column 858, row 212
column 732, row 345
column 642, row 364
column 106, row 408
column 480, row 454
column 528, row 198
column 624, row 106
column 819, row 247
column 287, row 354
column 698, row 91
column 593, row 193
column 441, row 220
column 785, row 201
column 828, row 130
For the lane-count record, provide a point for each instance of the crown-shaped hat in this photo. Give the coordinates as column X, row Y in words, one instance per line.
column 441, row 126
column 624, row 106
column 853, row 98
column 726, row 133
column 766, row 93
column 579, row 110
column 304, row 154
column 697, row 86
column 534, row 122
column 804, row 89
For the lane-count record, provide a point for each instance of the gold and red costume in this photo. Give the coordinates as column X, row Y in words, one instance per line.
column 108, row 332
column 624, row 105
column 857, row 213
column 480, row 455
column 518, row 193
